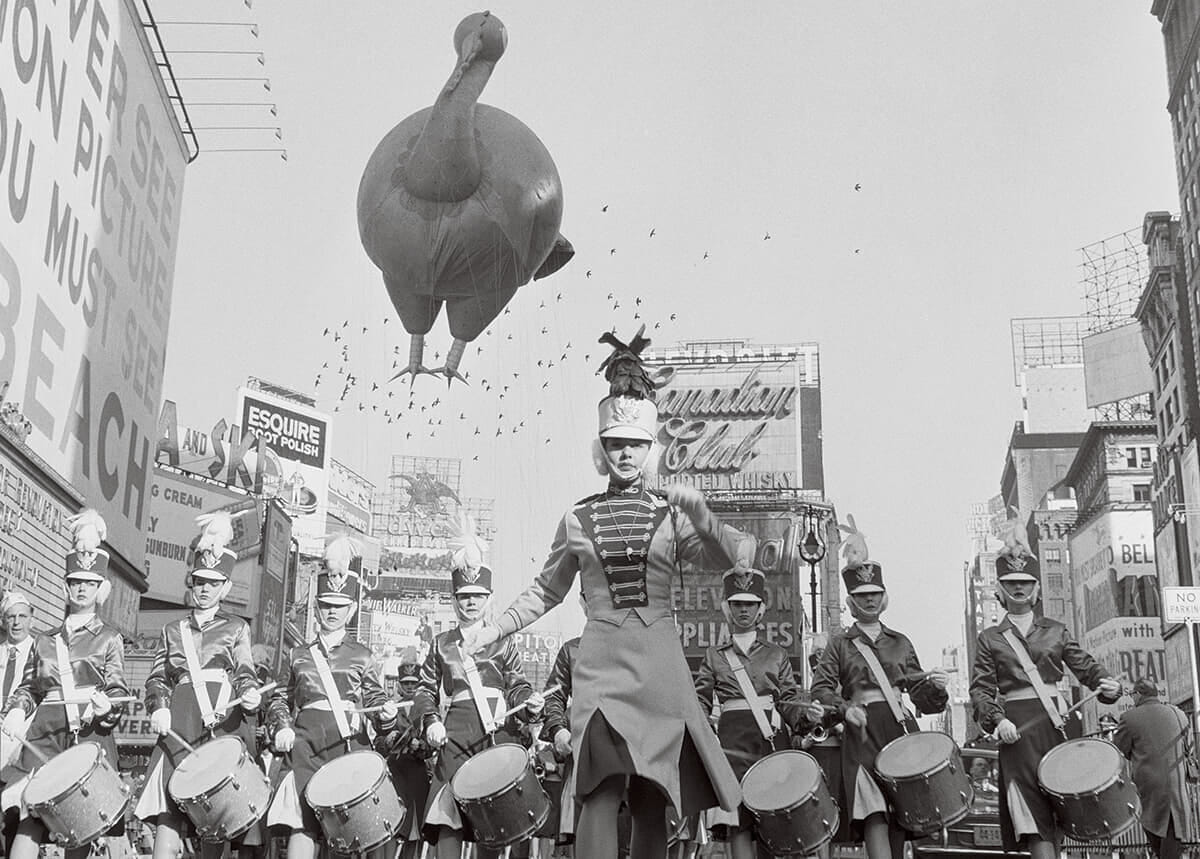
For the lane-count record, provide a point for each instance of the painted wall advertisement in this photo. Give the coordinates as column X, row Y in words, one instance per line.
column 93, row 161
column 296, row 439
column 698, row 601
column 1116, row 593
column 747, row 421
column 350, row 496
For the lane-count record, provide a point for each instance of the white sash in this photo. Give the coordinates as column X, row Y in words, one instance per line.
column 193, row 666
column 1035, row 679
column 750, row 694
column 486, row 717
column 66, row 679
column 336, row 704
column 885, row 685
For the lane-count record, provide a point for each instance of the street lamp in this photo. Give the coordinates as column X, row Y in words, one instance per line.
column 812, row 551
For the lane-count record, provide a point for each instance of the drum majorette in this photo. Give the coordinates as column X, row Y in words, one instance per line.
column 752, row 681
column 1018, row 663
column 637, row 730
column 327, row 681
column 71, row 674
column 480, row 689
column 202, row 663
column 861, row 674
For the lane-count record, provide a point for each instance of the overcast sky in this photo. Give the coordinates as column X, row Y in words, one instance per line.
column 991, row 141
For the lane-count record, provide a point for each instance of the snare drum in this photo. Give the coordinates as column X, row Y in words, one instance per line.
column 355, row 802
column 221, row 789
column 925, row 782
column 1089, row 787
column 78, row 795
column 793, row 813
column 499, row 795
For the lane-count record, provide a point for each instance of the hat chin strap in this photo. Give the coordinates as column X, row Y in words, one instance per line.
column 762, row 610
column 860, row 613
column 1006, row 597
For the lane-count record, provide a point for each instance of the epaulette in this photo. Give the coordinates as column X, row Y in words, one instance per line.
column 589, row 499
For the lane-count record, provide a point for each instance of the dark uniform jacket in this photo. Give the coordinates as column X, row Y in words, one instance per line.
column 499, row 666
column 223, row 643
column 97, row 659
column 843, row 671
column 998, row 672
column 770, row 672
column 557, row 712
column 355, row 674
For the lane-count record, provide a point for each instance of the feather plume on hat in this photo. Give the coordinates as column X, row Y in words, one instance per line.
column 216, row 531
column 1016, row 541
column 339, row 553
column 88, row 530
column 466, row 546
column 743, row 561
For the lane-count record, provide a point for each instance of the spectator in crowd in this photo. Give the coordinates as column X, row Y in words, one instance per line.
column 17, row 614
column 1155, row 736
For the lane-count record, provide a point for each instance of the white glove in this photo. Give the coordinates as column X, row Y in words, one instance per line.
column 435, row 734
column 1007, row 731
column 285, row 738
column 562, row 743
column 390, row 711
column 1109, row 687
column 856, row 716
column 100, row 704
column 479, row 637
column 160, row 720
column 14, row 721
column 938, row 678
column 251, row 699
column 690, row 500
column 534, row 703
column 814, row 711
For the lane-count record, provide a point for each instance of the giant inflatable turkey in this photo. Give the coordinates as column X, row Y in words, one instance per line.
column 460, row 205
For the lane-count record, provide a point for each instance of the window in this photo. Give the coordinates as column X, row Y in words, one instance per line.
column 1052, row 556
column 1054, row 582
column 1141, row 492
column 1131, row 457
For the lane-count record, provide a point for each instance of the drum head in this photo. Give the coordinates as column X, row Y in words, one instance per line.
column 206, row 767
column 914, row 754
column 780, row 780
column 65, row 769
column 1079, row 766
column 489, row 772
column 344, row 779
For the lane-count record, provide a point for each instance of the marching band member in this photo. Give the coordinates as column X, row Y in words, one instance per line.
column 480, row 689
column 406, row 753
column 1017, row 664
column 753, row 682
column 558, row 731
column 636, row 726
column 861, row 675
column 202, row 663
column 83, row 663
column 324, row 678
column 18, row 639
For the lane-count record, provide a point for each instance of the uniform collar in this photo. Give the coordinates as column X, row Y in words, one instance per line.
column 755, row 643
column 857, row 631
column 624, row 490
column 330, row 640
column 92, row 625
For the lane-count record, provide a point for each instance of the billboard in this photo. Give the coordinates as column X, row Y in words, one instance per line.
column 296, row 439
column 93, row 161
column 1115, row 366
column 276, row 550
column 350, row 496
column 740, row 418
column 697, row 602
column 1116, row 594
column 417, row 507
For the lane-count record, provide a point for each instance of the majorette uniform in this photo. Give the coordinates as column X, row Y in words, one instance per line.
column 444, row 676
column 407, row 754
column 321, row 735
column 81, row 656
column 1001, row 689
column 199, row 667
column 843, row 677
column 768, row 672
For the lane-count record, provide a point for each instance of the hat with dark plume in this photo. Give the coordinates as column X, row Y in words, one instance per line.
column 87, row 560
column 338, row 585
column 628, row 411
column 211, row 558
column 468, row 573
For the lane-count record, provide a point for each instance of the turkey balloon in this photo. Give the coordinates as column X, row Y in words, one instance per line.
column 460, row 205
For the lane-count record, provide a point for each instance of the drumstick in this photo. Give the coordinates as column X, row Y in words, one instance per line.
column 262, row 689
column 174, row 736
column 1090, row 696
column 121, row 699
column 557, row 687
column 36, row 751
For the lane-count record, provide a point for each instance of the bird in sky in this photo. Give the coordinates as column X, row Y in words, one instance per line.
column 509, row 336
column 857, row 186
column 325, row 333
column 336, row 336
column 475, row 458
column 347, row 322
column 588, row 273
column 498, row 431
column 545, row 330
column 317, row 383
column 858, row 250
column 374, row 386
column 364, row 331
column 767, row 236
column 385, row 320
column 545, row 384
column 542, row 306
column 325, row 366
column 652, row 232
column 672, row 317
column 705, row 255
column 408, row 435
column 558, row 297
column 604, row 208
column 638, row 301
column 507, row 311
column 612, row 251
column 657, row 325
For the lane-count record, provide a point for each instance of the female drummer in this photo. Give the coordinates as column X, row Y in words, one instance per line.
column 753, row 682
column 202, row 663
column 324, row 676
column 861, row 675
column 1021, row 706
column 406, row 752
column 636, row 726
column 479, row 687
column 81, row 661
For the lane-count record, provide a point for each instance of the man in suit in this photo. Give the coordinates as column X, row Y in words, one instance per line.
column 1156, row 737
column 17, row 615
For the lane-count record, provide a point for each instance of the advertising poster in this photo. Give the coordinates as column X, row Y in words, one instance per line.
column 277, row 541
column 296, row 439
column 350, row 497
column 93, row 166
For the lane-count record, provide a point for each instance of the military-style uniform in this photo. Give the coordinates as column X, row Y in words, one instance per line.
column 356, row 675
column 407, row 753
column 843, row 678
column 444, row 677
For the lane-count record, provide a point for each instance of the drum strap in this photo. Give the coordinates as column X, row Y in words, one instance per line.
column 1035, row 679
column 742, row 676
column 66, row 679
column 885, row 685
column 486, row 717
column 336, row 704
column 193, row 666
